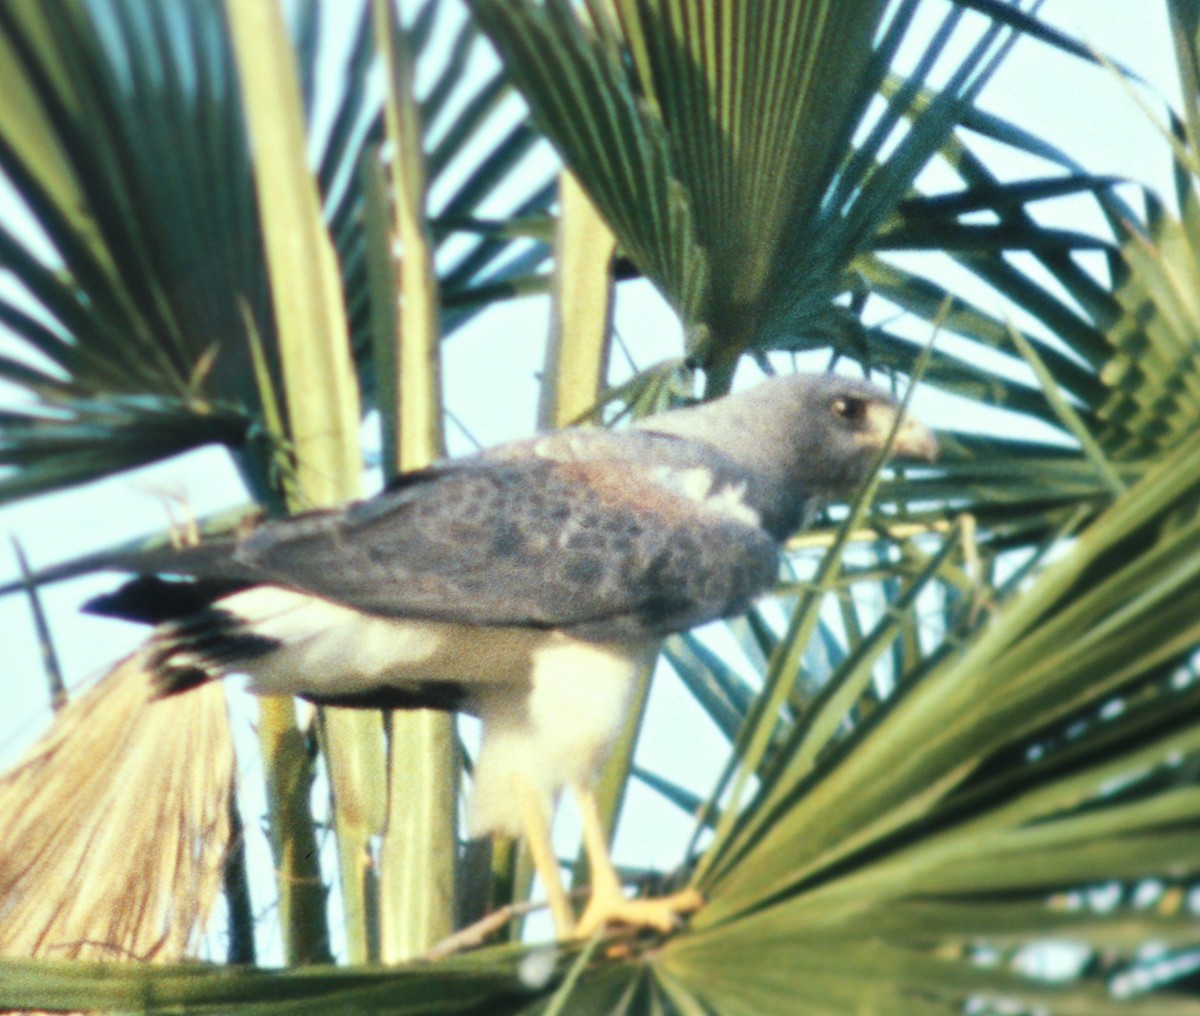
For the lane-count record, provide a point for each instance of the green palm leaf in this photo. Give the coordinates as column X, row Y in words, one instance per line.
column 127, row 147
column 686, row 123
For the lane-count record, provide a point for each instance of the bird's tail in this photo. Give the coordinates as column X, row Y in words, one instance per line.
column 114, row 826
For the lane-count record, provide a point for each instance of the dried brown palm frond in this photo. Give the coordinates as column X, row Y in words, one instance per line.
column 113, row 827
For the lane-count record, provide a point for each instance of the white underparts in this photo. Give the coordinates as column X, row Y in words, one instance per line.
column 551, row 704
column 328, row 649
column 559, row 734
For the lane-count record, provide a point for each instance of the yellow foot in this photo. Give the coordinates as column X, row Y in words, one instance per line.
column 662, row 913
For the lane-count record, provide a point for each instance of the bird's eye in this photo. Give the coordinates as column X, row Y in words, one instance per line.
column 848, row 408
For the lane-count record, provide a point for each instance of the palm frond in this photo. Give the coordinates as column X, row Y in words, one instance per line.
column 143, row 263
column 685, row 123
column 143, row 869
column 1042, row 755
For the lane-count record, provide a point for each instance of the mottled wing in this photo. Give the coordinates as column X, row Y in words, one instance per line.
column 603, row 548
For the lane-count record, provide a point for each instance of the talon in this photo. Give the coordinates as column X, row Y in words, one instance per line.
column 663, row 914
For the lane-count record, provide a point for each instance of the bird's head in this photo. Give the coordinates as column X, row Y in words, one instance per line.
column 854, row 421
column 812, row 437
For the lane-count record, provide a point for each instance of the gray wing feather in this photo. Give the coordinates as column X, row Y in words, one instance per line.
column 601, row 547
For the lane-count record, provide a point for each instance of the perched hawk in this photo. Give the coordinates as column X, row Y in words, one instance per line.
column 527, row 585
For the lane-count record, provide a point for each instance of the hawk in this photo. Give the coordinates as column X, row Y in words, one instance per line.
column 529, row 585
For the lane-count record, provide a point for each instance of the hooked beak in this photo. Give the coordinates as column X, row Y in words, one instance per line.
column 913, row 440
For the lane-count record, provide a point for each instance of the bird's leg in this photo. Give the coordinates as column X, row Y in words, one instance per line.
column 541, row 850
column 608, row 903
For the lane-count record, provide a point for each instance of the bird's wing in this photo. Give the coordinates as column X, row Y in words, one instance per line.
column 603, row 546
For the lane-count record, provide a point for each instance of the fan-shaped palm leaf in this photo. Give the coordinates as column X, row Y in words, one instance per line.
column 126, row 146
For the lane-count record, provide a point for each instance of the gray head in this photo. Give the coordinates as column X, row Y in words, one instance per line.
column 811, row 437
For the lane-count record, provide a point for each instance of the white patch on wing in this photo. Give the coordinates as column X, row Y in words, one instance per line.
column 561, row 446
column 730, row 501
column 697, row 483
